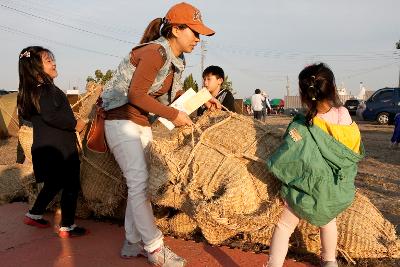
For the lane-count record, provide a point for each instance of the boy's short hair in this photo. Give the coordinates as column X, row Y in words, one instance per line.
column 214, row 70
column 257, row 91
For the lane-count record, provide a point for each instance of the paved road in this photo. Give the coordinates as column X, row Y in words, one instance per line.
column 22, row 245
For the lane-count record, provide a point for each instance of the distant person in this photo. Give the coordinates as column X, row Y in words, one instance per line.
column 322, row 149
column 396, row 132
column 257, row 104
column 54, row 152
column 213, row 77
column 266, row 106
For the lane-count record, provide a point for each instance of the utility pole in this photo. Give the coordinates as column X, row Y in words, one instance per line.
column 398, row 47
column 203, row 54
column 287, row 86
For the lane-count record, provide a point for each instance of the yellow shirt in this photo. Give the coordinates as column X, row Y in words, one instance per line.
column 348, row 135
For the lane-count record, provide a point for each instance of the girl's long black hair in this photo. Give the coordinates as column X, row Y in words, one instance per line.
column 31, row 76
column 317, row 83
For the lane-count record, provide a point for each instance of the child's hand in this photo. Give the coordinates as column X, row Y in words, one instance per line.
column 213, row 104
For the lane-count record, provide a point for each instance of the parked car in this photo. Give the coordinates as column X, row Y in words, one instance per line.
column 382, row 106
column 351, row 105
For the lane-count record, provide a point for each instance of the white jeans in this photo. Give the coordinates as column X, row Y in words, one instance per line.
column 127, row 141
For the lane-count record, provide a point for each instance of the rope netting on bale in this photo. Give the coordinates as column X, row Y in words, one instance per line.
column 363, row 232
column 216, row 175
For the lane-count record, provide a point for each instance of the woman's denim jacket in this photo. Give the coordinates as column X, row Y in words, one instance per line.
column 115, row 92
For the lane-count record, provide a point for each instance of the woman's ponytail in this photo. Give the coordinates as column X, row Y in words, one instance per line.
column 152, row 31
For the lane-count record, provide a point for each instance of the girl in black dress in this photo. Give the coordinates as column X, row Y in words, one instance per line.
column 54, row 153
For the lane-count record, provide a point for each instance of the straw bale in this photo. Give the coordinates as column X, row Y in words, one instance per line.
column 10, row 186
column 215, row 173
column 363, row 232
column 163, row 224
column 102, row 182
column 88, row 102
column 181, row 224
column 25, row 137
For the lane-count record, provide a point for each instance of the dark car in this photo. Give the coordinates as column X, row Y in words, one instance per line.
column 382, row 106
column 351, row 105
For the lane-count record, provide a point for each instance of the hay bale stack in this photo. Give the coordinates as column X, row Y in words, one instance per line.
column 216, row 174
column 10, row 186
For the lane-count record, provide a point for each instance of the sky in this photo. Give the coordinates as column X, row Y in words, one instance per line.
column 259, row 44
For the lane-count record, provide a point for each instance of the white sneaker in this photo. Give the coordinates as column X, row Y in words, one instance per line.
column 164, row 257
column 130, row 250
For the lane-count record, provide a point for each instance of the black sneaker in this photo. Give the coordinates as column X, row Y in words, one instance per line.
column 72, row 231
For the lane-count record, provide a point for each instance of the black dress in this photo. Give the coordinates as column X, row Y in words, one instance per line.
column 54, row 148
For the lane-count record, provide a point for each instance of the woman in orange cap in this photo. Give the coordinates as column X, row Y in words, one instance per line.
column 146, row 82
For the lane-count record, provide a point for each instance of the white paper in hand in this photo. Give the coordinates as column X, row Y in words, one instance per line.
column 188, row 102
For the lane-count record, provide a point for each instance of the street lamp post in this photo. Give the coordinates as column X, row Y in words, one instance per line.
column 398, row 47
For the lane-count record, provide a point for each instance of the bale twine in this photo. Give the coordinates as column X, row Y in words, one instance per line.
column 10, row 185
column 216, row 174
column 363, row 232
column 25, row 137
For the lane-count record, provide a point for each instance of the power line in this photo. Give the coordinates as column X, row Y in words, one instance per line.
column 369, row 70
column 66, row 25
column 240, row 50
column 15, row 31
column 66, row 14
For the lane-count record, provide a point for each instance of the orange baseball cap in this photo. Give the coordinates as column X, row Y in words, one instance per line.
column 184, row 13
